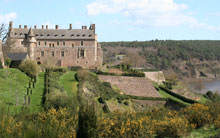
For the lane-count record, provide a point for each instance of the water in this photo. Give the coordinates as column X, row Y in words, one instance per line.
column 213, row 85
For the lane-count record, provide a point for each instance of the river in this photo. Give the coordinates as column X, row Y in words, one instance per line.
column 213, row 85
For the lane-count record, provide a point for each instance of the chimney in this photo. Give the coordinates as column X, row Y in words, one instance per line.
column 35, row 27
column 57, row 27
column 10, row 25
column 42, row 26
column 70, row 26
column 25, row 26
column 92, row 27
column 46, row 26
column 19, row 26
column 84, row 27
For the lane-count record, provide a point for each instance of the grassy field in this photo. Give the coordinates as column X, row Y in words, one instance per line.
column 204, row 132
column 69, row 83
column 166, row 95
column 37, row 94
column 13, row 85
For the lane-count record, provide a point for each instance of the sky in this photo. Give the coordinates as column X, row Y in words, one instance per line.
column 121, row 20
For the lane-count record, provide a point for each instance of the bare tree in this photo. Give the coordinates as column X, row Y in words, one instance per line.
column 3, row 32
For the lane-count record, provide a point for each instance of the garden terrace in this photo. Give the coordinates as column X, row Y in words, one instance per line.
column 132, row 85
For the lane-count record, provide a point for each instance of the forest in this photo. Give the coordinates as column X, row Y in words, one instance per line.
column 184, row 57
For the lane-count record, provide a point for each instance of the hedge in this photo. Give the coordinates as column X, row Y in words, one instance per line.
column 187, row 100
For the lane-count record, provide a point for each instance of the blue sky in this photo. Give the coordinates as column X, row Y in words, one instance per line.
column 122, row 20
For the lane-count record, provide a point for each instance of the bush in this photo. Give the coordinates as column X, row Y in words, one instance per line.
column 82, row 75
column 217, row 122
column 60, row 69
column 30, row 67
column 134, row 74
column 75, row 68
column 198, row 115
column 87, row 122
column 171, row 127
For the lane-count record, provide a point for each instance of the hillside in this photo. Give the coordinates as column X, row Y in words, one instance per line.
column 191, row 58
column 13, row 85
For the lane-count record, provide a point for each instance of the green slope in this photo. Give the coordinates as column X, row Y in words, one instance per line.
column 13, row 84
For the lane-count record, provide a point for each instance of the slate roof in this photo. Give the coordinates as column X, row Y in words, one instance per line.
column 86, row 34
column 17, row 56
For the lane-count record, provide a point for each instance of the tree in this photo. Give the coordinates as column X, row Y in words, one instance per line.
column 30, row 67
column 7, row 62
column 3, row 32
column 87, row 122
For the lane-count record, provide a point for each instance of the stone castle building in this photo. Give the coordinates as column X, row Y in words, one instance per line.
column 55, row 47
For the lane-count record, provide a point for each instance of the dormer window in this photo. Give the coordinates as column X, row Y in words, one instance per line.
column 84, row 35
column 90, row 35
column 37, row 34
column 72, row 35
column 78, row 35
column 41, row 35
column 48, row 34
column 63, row 35
column 20, row 33
column 15, row 33
column 56, row 35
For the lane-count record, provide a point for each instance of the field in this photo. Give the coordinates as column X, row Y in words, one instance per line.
column 14, row 84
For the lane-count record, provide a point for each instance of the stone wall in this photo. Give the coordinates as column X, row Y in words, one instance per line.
column 132, row 85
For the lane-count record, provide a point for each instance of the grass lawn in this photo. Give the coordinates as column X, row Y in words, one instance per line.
column 69, row 83
column 166, row 95
column 37, row 94
column 204, row 132
column 13, row 84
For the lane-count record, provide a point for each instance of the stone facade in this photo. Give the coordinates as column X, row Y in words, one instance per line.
column 57, row 47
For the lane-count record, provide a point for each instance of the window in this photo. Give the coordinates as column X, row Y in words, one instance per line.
column 42, row 53
column 81, row 43
column 53, row 45
column 90, row 35
column 22, row 42
column 82, row 53
column 50, row 45
column 72, row 35
column 39, row 43
column 64, row 43
column 45, row 43
column 52, row 53
column 56, row 35
column 83, row 35
column 58, row 43
column 72, row 45
column 62, row 54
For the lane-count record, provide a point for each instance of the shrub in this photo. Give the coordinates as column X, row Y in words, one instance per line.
column 217, row 122
column 82, row 75
column 125, row 125
column 172, row 127
column 7, row 62
column 75, row 68
column 87, row 122
column 134, row 74
column 197, row 114
column 30, row 67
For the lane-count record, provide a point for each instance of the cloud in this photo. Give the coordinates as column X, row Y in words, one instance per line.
column 5, row 18
column 158, row 13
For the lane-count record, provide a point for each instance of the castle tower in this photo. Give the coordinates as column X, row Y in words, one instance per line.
column 31, row 44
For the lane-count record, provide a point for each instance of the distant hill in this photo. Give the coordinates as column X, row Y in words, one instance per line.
column 188, row 58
